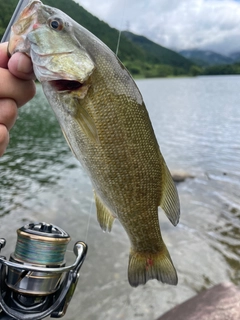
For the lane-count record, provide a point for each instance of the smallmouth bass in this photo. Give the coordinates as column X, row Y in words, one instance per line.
column 105, row 122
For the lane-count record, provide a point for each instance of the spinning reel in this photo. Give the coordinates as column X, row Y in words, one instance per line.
column 35, row 283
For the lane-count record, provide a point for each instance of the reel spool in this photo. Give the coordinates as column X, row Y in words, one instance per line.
column 35, row 282
column 40, row 245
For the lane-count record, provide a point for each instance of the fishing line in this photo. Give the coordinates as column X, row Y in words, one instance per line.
column 118, row 43
column 120, row 27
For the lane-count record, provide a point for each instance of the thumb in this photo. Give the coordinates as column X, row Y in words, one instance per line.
column 20, row 65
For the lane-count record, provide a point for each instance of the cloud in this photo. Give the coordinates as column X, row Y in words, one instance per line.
column 207, row 24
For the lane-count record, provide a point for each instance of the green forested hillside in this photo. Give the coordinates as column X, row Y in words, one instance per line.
column 163, row 59
column 6, row 11
column 141, row 56
column 158, row 54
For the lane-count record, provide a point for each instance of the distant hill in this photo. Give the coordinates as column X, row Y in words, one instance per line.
column 235, row 56
column 158, row 53
column 206, row 58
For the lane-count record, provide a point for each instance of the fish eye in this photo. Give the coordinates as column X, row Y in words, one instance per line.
column 56, row 24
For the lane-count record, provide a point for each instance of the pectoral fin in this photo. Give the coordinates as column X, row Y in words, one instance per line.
column 75, row 108
column 104, row 215
column 169, row 201
column 87, row 124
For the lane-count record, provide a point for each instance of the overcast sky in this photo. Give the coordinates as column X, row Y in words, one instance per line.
column 175, row 24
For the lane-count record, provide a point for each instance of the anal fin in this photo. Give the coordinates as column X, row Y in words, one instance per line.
column 104, row 215
column 169, row 201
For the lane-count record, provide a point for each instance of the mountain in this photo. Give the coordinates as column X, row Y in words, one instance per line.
column 235, row 56
column 158, row 53
column 206, row 58
column 141, row 56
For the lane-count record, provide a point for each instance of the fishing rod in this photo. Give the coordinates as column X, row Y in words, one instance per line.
column 20, row 6
column 35, row 282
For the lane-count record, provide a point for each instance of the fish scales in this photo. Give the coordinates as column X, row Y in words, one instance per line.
column 113, row 159
column 106, row 124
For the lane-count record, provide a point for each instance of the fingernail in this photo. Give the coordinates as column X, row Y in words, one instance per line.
column 24, row 64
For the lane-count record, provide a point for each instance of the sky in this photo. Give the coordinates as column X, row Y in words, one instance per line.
column 175, row 24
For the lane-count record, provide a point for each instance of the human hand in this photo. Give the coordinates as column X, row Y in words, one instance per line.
column 16, row 88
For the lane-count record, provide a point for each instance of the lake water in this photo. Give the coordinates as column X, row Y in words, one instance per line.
column 197, row 123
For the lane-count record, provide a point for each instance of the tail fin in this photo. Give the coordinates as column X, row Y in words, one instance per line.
column 145, row 266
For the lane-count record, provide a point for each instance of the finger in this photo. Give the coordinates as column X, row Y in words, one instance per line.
column 4, row 139
column 20, row 65
column 16, row 89
column 3, row 55
column 8, row 112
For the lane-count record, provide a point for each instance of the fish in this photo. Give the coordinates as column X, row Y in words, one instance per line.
column 106, row 124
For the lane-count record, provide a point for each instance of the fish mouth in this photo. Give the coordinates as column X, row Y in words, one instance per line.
column 66, row 85
column 73, row 87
